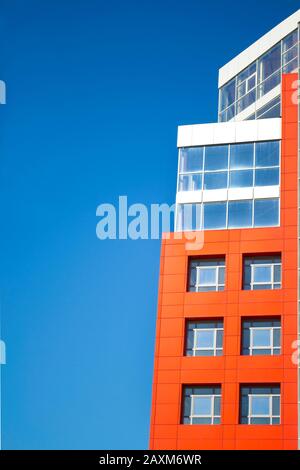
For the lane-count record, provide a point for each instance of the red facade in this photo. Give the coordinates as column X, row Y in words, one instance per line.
column 173, row 370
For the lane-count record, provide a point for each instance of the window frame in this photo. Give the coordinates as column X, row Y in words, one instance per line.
column 270, row 415
column 219, row 286
column 271, row 346
column 262, row 283
column 213, row 348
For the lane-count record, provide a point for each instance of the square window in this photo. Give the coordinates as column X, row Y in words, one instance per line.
column 262, row 272
column 261, row 337
column 206, row 274
column 260, row 404
column 204, row 338
column 201, row 405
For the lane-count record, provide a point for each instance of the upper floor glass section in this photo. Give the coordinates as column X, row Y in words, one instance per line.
column 259, row 78
column 229, row 166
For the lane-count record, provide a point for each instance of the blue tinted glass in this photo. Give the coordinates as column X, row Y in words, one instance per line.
column 261, row 338
column 202, row 406
column 187, row 406
column 241, row 178
column 217, row 180
column 208, row 276
column 241, row 156
column 267, row 153
column 239, row 214
column 205, row 339
column 289, row 40
column 216, row 157
column 227, row 94
column 192, row 182
column 276, row 338
column 189, row 217
column 191, row 159
column 269, row 62
column 276, row 406
column 215, row 215
column 262, row 273
column 260, row 406
column 267, row 177
column 266, row 212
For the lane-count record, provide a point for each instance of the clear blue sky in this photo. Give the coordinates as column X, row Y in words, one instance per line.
column 95, row 91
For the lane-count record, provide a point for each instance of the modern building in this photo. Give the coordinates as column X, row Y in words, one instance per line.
column 226, row 373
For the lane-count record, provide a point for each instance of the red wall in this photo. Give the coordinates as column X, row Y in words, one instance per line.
column 175, row 305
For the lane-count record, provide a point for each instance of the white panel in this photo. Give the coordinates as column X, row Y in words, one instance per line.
column 266, row 191
column 214, row 195
column 184, row 197
column 268, row 129
column 203, row 133
column 235, row 194
column 184, row 136
column 249, row 55
column 224, row 133
column 246, row 131
column 229, row 132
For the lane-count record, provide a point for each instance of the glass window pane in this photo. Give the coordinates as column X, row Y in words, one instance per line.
column 260, row 405
column 227, row 94
column 219, row 340
column 266, row 212
column 246, row 101
column 189, row 217
column 262, row 273
column 217, row 180
column 276, row 406
column 260, row 421
column 215, row 215
column 202, row 406
column 239, row 214
column 269, row 62
column 241, row 179
column 267, row 154
column 190, row 182
column 216, row 157
column 221, row 276
column 291, row 66
column 201, row 420
column 290, row 55
column 217, row 406
column 276, row 337
column 205, row 339
column 241, row 156
column 277, row 273
column 208, row 276
column 191, row 159
column 289, row 40
column 267, row 177
column 261, row 338
column 187, row 406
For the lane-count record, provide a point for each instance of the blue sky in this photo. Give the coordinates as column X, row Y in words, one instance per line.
column 95, row 92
